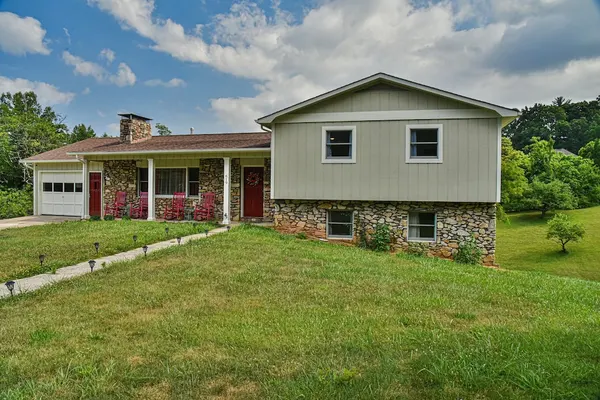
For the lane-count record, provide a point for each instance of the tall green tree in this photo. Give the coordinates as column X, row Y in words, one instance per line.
column 81, row 132
column 162, row 129
column 514, row 166
column 26, row 129
column 591, row 151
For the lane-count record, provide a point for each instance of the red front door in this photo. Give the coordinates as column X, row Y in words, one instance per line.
column 253, row 191
column 95, row 194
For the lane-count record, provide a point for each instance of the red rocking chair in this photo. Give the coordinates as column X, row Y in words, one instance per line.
column 206, row 209
column 176, row 210
column 116, row 209
column 140, row 210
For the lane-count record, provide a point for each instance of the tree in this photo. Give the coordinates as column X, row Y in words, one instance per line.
column 163, row 130
column 562, row 230
column 553, row 195
column 591, row 151
column 26, row 129
column 514, row 182
column 81, row 132
column 538, row 121
column 541, row 155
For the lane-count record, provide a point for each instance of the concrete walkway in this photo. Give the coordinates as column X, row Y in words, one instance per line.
column 33, row 283
column 32, row 220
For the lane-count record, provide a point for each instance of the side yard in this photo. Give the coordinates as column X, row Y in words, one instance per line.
column 72, row 242
column 522, row 245
column 256, row 314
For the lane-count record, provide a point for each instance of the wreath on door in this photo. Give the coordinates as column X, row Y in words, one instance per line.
column 253, row 179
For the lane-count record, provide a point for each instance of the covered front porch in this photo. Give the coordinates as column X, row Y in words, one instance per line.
column 240, row 181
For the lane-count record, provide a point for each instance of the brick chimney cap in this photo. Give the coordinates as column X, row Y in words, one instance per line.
column 134, row 116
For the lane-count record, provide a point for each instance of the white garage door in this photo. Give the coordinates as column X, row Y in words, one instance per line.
column 62, row 193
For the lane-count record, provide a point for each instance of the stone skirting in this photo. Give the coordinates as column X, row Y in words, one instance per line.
column 455, row 222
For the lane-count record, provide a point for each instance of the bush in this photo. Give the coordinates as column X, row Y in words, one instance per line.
column 468, row 252
column 562, row 230
column 417, row 249
column 15, row 203
column 363, row 240
column 95, row 218
column 301, row 235
column 109, row 217
column 380, row 241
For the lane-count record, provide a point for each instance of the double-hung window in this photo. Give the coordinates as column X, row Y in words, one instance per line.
column 340, row 224
column 339, row 144
column 424, row 143
column 421, row 226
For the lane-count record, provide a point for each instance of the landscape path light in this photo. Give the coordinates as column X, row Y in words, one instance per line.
column 134, row 239
column 42, row 258
column 206, row 232
column 92, row 265
column 145, row 248
column 10, row 285
column 97, row 246
column 179, row 240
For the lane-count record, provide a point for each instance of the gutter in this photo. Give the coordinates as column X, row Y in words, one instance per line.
column 110, row 153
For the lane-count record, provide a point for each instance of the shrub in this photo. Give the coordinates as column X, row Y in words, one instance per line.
column 95, row 218
column 562, row 230
column 380, row 240
column 15, row 203
column 417, row 249
column 126, row 218
column 301, row 235
column 468, row 252
column 109, row 217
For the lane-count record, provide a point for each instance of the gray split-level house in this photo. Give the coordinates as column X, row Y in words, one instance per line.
column 424, row 161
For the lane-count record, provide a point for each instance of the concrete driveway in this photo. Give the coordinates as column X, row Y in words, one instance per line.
column 33, row 220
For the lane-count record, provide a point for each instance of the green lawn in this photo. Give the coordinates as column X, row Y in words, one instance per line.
column 69, row 243
column 522, row 245
column 255, row 314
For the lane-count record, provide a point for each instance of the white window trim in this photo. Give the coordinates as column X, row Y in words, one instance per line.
column 324, row 159
column 338, row 237
column 440, row 157
column 424, row 240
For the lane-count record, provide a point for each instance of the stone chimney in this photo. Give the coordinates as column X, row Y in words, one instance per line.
column 134, row 128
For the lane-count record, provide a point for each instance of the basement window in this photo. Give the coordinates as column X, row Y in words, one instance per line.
column 424, row 143
column 340, row 224
column 421, row 226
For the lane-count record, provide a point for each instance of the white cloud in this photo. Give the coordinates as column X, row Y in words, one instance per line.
column 173, row 83
column 47, row 94
column 68, row 35
column 20, row 36
column 101, row 114
column 339, row 41
column 87, row 90
column 123, row 77
column 108, row 55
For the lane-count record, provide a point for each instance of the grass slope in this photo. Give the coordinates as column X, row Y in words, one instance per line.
column 72, row 242
column 255, row 314
column 522, row 245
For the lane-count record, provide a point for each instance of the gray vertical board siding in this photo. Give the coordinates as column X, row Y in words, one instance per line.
column 378, row 99
column 467, row 174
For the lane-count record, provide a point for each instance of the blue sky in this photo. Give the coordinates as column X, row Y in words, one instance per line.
column 218, row 65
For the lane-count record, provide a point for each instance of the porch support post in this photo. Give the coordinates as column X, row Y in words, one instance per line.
column 85, row 190
column 226, row 189
column 35, row 190
column 150, row 189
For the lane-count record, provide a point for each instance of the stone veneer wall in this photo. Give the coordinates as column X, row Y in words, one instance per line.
column 120, row 176
column 455, row 222
column 268, row 203
column 235, row 198
column 134, row 130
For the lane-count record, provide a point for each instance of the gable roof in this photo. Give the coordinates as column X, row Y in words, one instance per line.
column 160, row 144
column 393, row 80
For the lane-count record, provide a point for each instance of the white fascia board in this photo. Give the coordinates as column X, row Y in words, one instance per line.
column 502, row 111
column 109, row 153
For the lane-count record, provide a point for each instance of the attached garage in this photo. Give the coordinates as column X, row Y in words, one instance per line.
column 61, row 193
